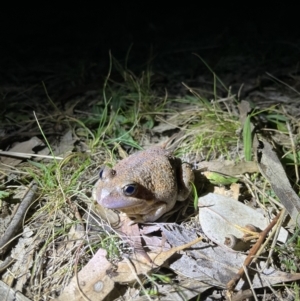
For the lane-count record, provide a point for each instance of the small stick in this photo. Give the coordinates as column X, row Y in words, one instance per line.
column 232, row 283
column 16, row 222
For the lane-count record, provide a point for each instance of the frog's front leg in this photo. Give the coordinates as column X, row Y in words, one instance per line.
column 152, row 215
column 185, row 178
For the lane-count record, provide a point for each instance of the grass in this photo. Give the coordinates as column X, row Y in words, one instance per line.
column 122, row 118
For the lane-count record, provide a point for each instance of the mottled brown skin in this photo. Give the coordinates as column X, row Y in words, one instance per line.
column 145, row 185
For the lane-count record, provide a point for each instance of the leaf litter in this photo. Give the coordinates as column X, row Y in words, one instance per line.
column 195, row 267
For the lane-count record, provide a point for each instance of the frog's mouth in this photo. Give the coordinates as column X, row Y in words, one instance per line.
column 124, row 203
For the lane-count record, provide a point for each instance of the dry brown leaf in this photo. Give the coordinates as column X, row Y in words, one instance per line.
column 233, row 192
column 130, row 233
column 148, row 229
column 155, row 243
column 92, row 282
column 129, row 270
column 229, row 168
column 221, row 216
column 22, row 147
column 271, row 168
column 66, row 144
column 217, row 271
column 216, row 265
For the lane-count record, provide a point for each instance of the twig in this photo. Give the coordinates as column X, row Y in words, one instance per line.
column 15, row 224
column 27, row 155
column 275, row 233
column 232, row 283
column 241, row 295
column 249, row 281
column 133, row 271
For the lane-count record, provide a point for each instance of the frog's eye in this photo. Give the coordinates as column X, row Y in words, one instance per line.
column 101, row 172
column 130, row 189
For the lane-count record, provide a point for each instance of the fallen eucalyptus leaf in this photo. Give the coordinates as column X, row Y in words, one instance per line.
column 213, row 265
column 221, row 216
column 129, row 269
column 210, row 269
column 92, row 282
column 273, row 171
column 23, row 147
column 229, row 168
column 65, row 144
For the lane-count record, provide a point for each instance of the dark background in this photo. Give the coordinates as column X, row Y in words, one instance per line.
column 70, row 33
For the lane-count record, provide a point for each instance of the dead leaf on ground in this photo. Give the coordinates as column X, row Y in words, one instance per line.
column 217, row 272
column 229, row 168
column 92, row 282
column 271, row 168
column 221, row 216
column 130, row 233
column 22, row 147
column 65, row 145
column 216, row 265
column 233, row 192
column 129, row 270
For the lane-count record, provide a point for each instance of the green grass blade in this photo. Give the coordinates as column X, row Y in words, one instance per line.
column 247, row 139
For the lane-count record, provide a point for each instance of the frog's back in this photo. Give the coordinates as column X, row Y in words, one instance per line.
column 143, row 158
column 151, row 168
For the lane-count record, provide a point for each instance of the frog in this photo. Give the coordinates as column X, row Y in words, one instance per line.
column 145, row 185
